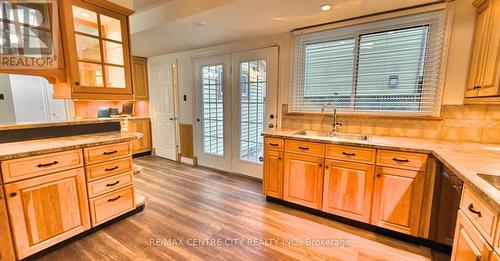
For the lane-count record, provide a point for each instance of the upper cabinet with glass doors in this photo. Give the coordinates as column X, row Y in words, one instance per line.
column 97, row 51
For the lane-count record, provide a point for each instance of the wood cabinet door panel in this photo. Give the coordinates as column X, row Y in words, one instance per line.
column 140, row 77
column 273, row 173
column 141, row 126
column 6, row 247
column 348, row 189
column 484, row 65
column 47, row 210
column 303, row 180
column 397, row 199
column 468, row 243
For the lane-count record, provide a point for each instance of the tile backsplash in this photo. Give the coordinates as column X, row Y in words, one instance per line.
column 477, row 123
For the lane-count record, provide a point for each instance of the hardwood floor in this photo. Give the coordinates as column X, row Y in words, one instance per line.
column 200, row 214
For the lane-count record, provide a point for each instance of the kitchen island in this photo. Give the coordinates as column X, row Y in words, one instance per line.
column 58, row 186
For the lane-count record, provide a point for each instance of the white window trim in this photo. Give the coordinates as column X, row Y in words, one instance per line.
column 448, row 7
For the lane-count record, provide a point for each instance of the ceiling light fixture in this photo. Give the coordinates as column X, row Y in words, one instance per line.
column 325, row 7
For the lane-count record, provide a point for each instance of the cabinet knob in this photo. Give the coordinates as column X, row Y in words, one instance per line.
column 13, row 194
column 379, row 175
column 77, row 83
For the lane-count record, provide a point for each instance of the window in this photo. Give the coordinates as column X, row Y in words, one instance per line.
column 385, row 66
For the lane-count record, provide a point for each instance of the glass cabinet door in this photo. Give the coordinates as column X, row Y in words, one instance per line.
column 102, row 52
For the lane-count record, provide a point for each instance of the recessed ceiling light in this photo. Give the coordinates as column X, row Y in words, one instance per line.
column 325, row 7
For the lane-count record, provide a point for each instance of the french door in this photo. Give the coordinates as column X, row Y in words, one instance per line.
column 237, row 102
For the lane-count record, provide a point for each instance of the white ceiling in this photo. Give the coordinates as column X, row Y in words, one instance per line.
column 161, row 27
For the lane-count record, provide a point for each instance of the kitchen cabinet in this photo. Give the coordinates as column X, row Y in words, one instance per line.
column 97, row 52
column 484, row 66
column 47, row 210
column 303, row 180
column 273, row 173
column 6, row 247
column 140, row 78
column 495, row 257
column 397, row 199
column 348, row 189
column 141, row 125
column 469, row 244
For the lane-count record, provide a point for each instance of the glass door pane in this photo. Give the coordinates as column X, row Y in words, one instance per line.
column 212, row 109
column 252, row 109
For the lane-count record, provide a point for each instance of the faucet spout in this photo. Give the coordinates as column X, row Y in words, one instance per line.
column 335, row 123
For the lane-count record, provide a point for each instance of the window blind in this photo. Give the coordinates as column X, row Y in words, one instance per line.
column 389, row 65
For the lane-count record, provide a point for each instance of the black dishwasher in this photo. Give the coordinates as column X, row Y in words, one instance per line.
column 446, row 202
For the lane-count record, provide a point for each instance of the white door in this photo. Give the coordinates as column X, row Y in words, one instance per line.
column 237, row 102
column 213, row 136
column 254, row 91
column 162, row 110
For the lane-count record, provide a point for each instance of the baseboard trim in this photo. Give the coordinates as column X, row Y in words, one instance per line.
column 188, row 161
column 386, row 232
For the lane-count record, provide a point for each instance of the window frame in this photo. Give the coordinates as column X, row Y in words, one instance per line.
column 356, row 31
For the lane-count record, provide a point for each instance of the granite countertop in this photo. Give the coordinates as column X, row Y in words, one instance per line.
column 29, row 125
column 41, row 146
column 465, row 159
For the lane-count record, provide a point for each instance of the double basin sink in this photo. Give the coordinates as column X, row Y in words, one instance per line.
column 337, row 135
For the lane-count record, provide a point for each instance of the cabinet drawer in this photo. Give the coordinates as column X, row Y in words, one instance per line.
column 103, row 186
column 111, row 205
column 402, row 160
column 106, row 152
column 29, row 167
column 273, row 144
column 109, row 168
column 303, row 147
column 482, row 216
column 348, row 153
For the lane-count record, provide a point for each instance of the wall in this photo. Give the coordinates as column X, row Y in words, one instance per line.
column 7, row 114
column 125, row 3
column 457, row 123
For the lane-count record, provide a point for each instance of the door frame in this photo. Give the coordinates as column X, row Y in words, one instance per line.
column 213, row 161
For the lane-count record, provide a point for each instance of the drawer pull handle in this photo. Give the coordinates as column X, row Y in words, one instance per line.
column 114, row 199
column 47, row 164
column 111, row 169
column 109, row 152
column 401, row 160
column 273, row 144
column 349, row 154
column 303, row 148
column 471, row 209
column 112, row 184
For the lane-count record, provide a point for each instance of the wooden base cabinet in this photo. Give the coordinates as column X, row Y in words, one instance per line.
column 348, row 189
column 47, row 210
column 273, row 174
column 397, row 199
column 142, row 126
column 6, row 247
column 469, row 244
column 303, row 180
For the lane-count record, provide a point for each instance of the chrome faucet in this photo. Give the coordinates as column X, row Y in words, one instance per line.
column 335, row 123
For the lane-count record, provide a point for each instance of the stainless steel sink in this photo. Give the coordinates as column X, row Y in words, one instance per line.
column 327, row 134
column 492, row 179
